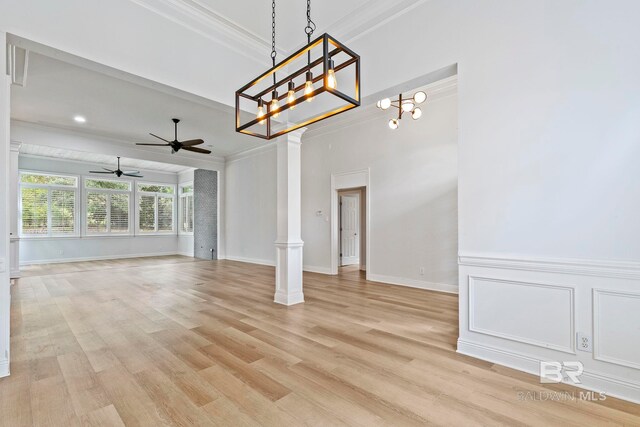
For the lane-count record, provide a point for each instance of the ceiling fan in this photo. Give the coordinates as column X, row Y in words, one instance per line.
column 179, row 145
column 119, row 172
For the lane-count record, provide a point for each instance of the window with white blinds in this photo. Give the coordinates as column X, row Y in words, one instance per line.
column 48, row 205
column 186, row 209
column 107, row 206
column 156, row 208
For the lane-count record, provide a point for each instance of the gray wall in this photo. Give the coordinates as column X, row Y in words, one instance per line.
column 205, row 227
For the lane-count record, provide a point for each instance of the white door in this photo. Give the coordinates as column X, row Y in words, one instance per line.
column 350, row 229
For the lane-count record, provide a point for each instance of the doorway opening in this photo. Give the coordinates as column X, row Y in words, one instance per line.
column 352, row 229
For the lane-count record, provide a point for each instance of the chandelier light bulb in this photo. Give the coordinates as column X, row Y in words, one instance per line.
column 291, row 95
column 260, row 114
column 332, row 82
column 308, row 87
column 394, row 123
column 407, row 106
column 275, row 106
column 420, row 97
column 385, row 103
column 417, row 113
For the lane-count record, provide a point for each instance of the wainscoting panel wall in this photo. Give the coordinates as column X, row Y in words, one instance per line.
column 616, row 327
column 205, row 224
column 518, row 312
column 522, row 303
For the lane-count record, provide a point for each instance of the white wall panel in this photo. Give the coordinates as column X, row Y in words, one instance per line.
column 532, row 313
column 616, row 324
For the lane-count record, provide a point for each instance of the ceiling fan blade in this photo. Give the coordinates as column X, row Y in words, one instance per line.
column 159, row 137
column 101, row 172
column 155, row 145
column 133, row 174
column 192, row 142
column 108, row 170
column 197, row 150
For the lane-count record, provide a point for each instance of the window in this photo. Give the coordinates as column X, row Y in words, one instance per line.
column 107, row 206
column 186, row 209
column 155, row 208
column 47, row 205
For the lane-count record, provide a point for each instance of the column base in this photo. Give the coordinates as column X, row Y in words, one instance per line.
column 289, row 273
column 288, row 299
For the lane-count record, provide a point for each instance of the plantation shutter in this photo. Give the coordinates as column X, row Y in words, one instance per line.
column 119, row 219
column 34, row 211
column 97, row 212
column 147, row 213
column 63, row 206
column 165, row 213
column 189, row 215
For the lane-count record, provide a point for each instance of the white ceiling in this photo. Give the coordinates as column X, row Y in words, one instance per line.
column 56, row 91
column 100, row 159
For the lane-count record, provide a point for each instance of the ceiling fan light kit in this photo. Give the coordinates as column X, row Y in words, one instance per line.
column 335, row 57
column 404, row 105
column 178, row 145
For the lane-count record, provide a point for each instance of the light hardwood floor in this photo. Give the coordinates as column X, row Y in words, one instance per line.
column 174, row 341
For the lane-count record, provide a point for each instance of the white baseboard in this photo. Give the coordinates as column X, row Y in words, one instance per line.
column 4, row 368
column 189, row 254
column 251, row 260
column 412, row 283
column 317, row 269
column 95, row 258
column 594, row 381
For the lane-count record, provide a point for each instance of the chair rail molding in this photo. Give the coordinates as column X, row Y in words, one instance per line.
column 583, row 267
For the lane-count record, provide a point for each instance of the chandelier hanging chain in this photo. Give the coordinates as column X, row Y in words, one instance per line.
column 309, row 29
column 273, row 37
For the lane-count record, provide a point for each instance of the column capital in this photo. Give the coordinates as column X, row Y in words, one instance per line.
column 296, row 135
column 15, row 146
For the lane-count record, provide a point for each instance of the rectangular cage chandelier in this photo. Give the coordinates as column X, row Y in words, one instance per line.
column 335, row 57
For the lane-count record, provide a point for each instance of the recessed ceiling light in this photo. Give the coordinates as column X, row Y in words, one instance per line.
column 80, row 119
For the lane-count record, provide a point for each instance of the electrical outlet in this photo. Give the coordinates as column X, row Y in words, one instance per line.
column 422, row 271
column 584, row 342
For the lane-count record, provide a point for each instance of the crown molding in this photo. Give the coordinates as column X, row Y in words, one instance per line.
column 251, row 152
column 204, row 21
column 369, row 17
column 195, row 16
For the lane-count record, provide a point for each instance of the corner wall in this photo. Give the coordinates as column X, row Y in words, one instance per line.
column 5, row 293
column 413, row 194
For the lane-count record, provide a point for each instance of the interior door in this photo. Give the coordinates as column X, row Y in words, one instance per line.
column 350, row 229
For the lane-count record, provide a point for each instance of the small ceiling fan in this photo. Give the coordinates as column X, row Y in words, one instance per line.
column 179, row 145
column 119, row 172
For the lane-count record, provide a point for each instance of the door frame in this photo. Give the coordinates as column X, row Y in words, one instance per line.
column 346, row 181
column 358, row 194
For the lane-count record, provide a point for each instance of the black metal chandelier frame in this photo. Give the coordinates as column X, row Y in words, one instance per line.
column 330, row 49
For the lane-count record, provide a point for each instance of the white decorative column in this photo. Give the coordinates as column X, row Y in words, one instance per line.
column 289, row 242
column 14, row 239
